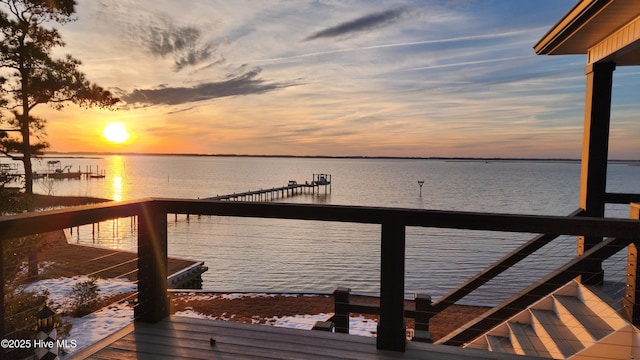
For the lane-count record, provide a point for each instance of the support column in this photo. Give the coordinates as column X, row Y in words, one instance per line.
column 153, row 302
column 595, row 148
column 391, row 326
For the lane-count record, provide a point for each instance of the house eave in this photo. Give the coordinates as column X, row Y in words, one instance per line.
column 596, row 25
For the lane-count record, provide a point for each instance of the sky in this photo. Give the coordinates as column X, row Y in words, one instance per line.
column 424, row 78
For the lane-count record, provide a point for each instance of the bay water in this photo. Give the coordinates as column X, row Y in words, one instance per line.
column 272, row 255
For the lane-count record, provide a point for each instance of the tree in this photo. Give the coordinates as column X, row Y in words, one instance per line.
column 34, row 77
column 30, row 76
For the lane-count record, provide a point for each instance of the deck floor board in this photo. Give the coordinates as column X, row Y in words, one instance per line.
column 187, row 338
column 254, row 335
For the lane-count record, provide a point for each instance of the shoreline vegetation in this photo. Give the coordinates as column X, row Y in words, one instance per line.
column 15, row 201
column 49, row 201
column 72, row 155
column 98, row 155
column 84, row 154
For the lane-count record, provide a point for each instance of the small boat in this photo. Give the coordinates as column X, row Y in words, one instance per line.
column 322, row 180
column 65, row 175
column 56, row 171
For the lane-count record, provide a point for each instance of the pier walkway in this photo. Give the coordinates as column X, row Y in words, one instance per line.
column 291, row 189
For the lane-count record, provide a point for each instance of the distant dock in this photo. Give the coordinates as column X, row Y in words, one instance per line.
column 54, row 171
column 57, row 172
column 291, row 189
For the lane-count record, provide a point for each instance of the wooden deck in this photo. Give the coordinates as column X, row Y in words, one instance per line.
column 74, row 259
column 181, row 337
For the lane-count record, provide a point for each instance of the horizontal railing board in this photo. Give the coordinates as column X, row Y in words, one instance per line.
column 38, row 222
column 30, row 223
column 559, row 225
column 621, row 198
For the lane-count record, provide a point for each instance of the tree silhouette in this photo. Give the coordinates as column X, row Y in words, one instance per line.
column 34, row 77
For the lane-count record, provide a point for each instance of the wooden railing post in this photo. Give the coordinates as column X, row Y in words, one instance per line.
column 341, row 309
column 630, row 306
column 153, row 302
column 424, row 313
column 391, row 325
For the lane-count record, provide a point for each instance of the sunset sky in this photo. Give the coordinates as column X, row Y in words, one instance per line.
column 360, row 77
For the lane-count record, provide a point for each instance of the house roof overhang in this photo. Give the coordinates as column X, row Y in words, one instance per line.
column 604, row 30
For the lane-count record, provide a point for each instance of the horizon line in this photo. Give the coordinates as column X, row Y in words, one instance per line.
column 330, row 156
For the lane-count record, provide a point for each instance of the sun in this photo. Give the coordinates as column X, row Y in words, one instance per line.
column 115, row 132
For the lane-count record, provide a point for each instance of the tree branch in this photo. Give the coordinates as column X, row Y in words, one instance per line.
column 10, row 156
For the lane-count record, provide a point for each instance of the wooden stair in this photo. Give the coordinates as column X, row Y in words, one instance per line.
column 570, row 323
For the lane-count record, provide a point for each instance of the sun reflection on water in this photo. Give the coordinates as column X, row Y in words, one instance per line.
column 117, row 185
column 116, row 192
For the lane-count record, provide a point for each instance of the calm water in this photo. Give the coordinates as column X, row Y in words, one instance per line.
column 285, row 255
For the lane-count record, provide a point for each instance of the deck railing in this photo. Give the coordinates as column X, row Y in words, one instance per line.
column 423, row 309
column 152, row 214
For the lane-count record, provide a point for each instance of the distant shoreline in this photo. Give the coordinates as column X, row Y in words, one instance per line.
column 56, row 154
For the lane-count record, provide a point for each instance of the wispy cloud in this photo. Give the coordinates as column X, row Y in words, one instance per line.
column 162, row 38
column 408, row 77
column 488, row 36
column 364, row 23
column 244, row 84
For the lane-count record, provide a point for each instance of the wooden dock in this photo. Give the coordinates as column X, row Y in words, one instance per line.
column 73, row 259
column 291, row 189
column 56, row 172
